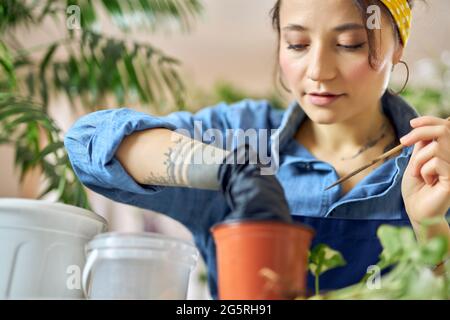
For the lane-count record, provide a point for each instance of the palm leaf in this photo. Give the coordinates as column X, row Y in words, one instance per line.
column 154, row 14
column 104, row 65
column 14, row 13
column 7, row 64
column 21, row 124
column 94, row 68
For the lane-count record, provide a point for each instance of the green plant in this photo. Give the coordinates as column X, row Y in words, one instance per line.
column 86, row 65
column 23, row 123
column 410, row 275
column 432, row 100
column 429, row 101
column 322, row 259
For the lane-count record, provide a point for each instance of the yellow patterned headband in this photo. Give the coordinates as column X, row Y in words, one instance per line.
column 401, row 12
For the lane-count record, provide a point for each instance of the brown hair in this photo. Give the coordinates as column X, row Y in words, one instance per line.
column 362, row 6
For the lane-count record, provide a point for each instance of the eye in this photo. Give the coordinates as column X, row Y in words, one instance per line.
column 301, row 47
column 352, row 48
column 297, row 47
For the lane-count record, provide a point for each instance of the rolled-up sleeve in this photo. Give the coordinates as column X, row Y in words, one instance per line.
column 93, row 140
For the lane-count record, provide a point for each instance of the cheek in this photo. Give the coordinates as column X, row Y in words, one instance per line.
column 359, row 71
column 285, row 64
column 291, row 68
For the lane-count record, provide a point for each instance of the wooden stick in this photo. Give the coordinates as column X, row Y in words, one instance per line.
column 379, row 158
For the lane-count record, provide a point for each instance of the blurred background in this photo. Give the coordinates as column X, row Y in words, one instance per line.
column 62, row 59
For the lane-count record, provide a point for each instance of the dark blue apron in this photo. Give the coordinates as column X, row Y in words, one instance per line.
column 355, row 239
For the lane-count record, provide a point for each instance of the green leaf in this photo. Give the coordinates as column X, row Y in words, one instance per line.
column 15, row 110
column 42, row 73
column 88, row 14
column 434, row 251
column 30, row 83
column 114, row 9
column 6, row 61
column 322, row 258
column 396, row 242
column 15, row 13
column 132, row 76
column 49, row 149
column 48, row 56
column 23, row 121
column 128, row 14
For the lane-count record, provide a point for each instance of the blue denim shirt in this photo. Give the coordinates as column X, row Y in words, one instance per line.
column 93, row 140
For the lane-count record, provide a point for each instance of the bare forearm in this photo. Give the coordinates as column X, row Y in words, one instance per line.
column 163, row 157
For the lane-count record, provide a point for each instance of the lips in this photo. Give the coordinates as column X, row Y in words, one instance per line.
column 323, row 98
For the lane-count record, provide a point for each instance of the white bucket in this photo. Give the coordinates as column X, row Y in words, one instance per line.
column 42, row 248
column 138, row 266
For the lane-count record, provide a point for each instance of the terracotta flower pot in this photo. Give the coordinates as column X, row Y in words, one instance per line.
column 261, row 259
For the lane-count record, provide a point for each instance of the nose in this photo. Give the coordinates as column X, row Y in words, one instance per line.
column 321, row 65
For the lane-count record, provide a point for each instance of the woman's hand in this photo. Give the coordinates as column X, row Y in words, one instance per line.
column 250, row 194
column 426, row 181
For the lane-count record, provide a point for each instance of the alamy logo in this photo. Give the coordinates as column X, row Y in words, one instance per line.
column 373, row 282
column 73, row 281
column 374, row 19
column 73, row 21
column 258, row 139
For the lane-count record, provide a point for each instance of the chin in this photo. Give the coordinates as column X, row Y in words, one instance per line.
column 323, row 120
column 322, row 116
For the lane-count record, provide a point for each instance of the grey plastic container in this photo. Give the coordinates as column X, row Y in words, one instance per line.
column 138, row 266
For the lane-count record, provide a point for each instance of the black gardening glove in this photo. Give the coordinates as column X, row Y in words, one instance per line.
column 250, row 195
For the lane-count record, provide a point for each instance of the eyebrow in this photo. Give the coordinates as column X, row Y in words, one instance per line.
column 341, row 28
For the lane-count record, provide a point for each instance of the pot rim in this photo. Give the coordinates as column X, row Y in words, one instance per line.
column 235, row 223
column 33, row 204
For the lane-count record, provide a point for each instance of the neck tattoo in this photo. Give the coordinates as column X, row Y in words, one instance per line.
column 371, row 143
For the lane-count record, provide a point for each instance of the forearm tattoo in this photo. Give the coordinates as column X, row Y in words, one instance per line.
column 190, row 163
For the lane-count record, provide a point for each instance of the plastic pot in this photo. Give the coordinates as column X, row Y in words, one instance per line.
column 261, row 259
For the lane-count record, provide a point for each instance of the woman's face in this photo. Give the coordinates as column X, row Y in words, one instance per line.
column 324, row 48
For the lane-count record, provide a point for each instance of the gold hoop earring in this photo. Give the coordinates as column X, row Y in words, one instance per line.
column 407, row 78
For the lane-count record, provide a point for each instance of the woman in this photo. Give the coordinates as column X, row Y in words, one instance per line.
column 337, row 66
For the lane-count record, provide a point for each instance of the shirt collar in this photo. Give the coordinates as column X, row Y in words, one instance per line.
column 396, row 109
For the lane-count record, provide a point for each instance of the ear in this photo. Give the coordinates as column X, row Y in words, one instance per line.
column 398, row 54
